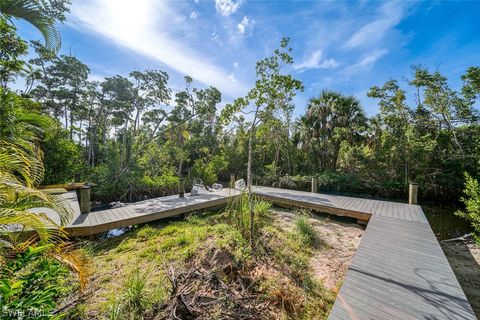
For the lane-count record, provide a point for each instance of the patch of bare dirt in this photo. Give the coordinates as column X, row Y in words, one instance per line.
column 337, row 244
column 464, row 257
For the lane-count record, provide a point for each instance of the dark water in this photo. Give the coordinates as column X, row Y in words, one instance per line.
column 445, row 224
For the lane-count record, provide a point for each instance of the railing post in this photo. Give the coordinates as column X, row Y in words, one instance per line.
column 232, row 181
column 181, row 188
column 314, row 184
column 85, row 199
column 412, row 193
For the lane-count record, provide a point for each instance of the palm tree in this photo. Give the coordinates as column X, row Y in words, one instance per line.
column 330, row 119
column 21, row 168
column 32, row 12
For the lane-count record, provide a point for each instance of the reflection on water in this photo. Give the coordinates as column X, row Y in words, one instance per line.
column 445, row 224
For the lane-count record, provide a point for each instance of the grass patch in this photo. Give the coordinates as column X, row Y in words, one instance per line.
column 305, row 228
column 207, row 259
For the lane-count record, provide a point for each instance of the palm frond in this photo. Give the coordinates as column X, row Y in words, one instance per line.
column 16, row 162
column 12, row 221
column 30, row 11
column 76, row 260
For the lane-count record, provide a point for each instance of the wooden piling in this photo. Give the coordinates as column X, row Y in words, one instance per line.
column 314, row 184
column 412, row 193
column 85, row 199
column 181, row 188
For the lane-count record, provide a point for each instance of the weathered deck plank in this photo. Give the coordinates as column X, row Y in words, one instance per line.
column 145, row 211
column 399, row 271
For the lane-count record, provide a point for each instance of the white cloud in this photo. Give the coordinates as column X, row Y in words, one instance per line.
column 235, row 64
column 245, row 24
column 391, row 13
column 366, row 62
column 227, row 7
column 231, row 77
column 193, row 15
column 314, row 61
column 147, row 33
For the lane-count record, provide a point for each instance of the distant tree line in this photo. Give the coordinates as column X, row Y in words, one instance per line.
column 135, row 136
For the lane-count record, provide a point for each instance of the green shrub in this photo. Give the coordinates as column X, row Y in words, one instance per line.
column 31, row 284
column 238, row 214
column 208, row 169
column 472, row 204
column 134, row 299
column 305, row 228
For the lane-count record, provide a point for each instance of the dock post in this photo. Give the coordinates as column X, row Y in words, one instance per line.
column 232, row 181
column 314, row 184
column 85, row 199
column 412, row 193
column 181, row 188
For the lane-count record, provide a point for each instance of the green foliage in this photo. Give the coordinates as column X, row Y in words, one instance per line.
column 305, row 228
column 63, row 158
column 331, row 119
column 41, row 14
column 238, row 214
column 472, row 204
column 31, row 283
column 12, row 49
column 208, row 168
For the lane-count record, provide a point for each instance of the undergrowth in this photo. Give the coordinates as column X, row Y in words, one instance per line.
column 203, row 268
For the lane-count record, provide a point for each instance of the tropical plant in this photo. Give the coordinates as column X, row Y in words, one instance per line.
column 25, row 235
column 21, row 168
column 472, row 204
column 30, row 284
column 331, row 119
column 41, row 14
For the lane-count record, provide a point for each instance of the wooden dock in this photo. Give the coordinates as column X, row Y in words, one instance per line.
column 92, row 223
column 399, row 271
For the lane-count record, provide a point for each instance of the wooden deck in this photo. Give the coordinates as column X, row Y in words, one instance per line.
column 358, row 208
column 399, row 271
column 140, row 212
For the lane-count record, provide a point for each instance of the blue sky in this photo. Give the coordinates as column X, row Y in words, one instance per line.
column 345, row 46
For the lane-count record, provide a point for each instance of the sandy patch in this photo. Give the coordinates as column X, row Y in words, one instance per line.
column 464, row 257
column 338, row 243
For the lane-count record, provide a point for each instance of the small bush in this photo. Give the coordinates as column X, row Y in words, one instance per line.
column 238, row 214
column 472, row 204
column 134, row 299
column 32, row 283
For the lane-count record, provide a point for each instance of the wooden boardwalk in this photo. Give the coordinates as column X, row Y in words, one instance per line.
column 399, row 271
column 140, row 212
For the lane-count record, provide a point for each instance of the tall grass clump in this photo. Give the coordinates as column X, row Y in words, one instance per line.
column 237, row 213
column 134, row 299
column 305, row 228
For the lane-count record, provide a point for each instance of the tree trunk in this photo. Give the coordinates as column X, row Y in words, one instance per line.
column 180, row 166
column 249, row 185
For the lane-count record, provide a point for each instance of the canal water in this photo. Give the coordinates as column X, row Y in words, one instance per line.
column 445, row 224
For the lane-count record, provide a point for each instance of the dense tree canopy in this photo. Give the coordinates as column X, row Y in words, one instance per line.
column 136, row 136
